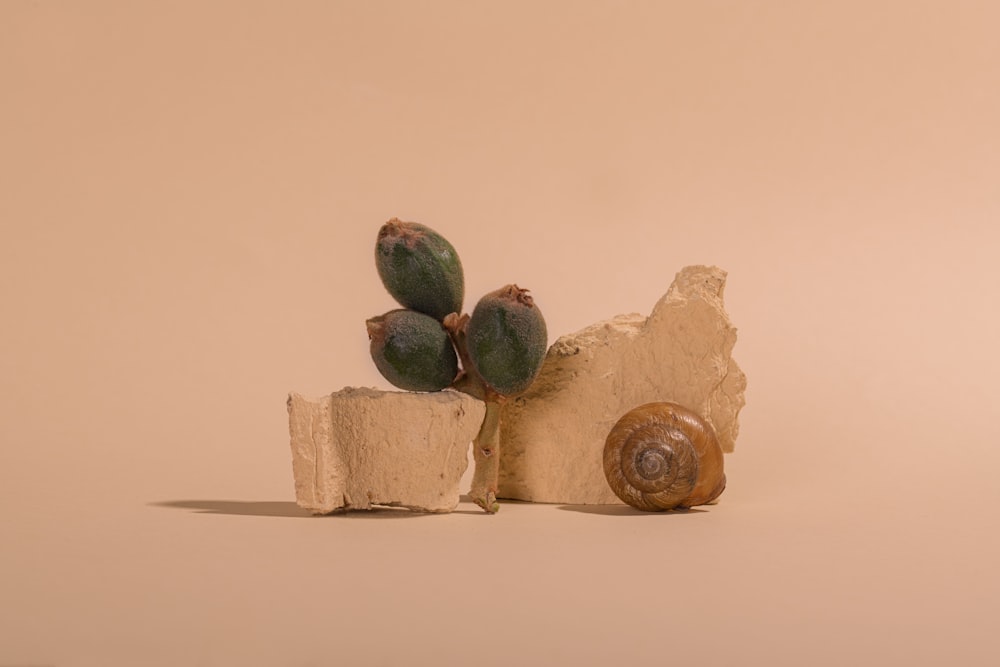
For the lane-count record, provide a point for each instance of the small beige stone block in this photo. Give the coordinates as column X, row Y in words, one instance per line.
column 552, row 436
column 361, row 447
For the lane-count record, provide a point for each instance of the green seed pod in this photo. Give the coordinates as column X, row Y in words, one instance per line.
column 420, row 268
column 412, row 350
column 507, row 339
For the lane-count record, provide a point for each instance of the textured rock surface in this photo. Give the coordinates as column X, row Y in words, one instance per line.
column 361, row 447
column 552, row 436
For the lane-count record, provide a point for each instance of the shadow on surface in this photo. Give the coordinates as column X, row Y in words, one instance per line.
column 237, row 507
column 291, row 510
column 622, row 510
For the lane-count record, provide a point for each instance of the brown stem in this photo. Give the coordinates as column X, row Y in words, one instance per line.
column 486, row 446
column 486, row 453
column 469, row 380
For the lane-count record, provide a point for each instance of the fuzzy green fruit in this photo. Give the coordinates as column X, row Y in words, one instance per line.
column 419, row 268
column 412, row 350
column 507, row 339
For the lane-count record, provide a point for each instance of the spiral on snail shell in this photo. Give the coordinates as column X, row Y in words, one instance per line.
column 662, row 456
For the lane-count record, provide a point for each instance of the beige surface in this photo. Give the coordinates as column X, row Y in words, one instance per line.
column 181, row 184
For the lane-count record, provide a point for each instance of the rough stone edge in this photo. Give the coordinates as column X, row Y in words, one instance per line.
column 708, row 283
column 309, row 438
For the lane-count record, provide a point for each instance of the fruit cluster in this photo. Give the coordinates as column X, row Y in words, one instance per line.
column 418, row 347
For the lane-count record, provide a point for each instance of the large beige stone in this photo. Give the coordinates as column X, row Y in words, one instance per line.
column 552, row 436
column 361, row 447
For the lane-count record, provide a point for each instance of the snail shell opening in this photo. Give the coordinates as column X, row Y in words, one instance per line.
column 661, row 456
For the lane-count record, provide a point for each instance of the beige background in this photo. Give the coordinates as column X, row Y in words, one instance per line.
column 189, row 194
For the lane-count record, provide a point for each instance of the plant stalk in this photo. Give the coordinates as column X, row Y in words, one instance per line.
column 486, row 446
column 486, row 454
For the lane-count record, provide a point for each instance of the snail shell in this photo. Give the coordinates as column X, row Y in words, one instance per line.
column 662, row 456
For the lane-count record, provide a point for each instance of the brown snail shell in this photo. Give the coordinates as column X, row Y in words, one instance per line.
column 662, row 456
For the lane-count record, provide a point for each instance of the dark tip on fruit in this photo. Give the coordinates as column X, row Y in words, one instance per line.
column 376, row 328
column 409, row 232
column 515, row 293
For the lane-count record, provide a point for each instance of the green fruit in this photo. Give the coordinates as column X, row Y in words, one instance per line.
column 507, row 339
column 412, row 350
column 420, row 268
